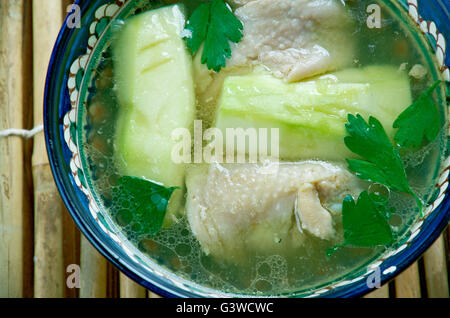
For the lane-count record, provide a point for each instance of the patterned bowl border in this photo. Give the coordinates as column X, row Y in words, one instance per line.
column 106, row 13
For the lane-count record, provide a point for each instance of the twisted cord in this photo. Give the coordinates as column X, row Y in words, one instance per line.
column 26, row 134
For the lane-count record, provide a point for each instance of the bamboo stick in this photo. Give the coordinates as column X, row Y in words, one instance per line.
column 49, row 272
column 28, row 191
column 435, row 263
column 382, row 292
column 113, row 281
column 11, row 149
column 93, row 272
column 153, row 295
column 407, row 284
column 65, row 4
column 71, row 249
column 130, row 289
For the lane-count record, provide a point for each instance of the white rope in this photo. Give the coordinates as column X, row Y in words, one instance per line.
column 27, row 134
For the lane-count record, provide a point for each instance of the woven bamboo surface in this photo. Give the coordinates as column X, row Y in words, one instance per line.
column 38, row 239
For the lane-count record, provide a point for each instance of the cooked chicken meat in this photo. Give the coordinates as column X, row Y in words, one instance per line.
column 313, row 217
column 241, row 207
column 238, row 3
column 295, row 39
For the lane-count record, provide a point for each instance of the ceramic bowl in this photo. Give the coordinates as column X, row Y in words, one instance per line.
column 73, row 61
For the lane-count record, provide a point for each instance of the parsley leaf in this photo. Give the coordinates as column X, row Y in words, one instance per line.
column 142, row 204
column 197, row 27
column 382, row 163
column 214, row 24
column 418, row 121
column 365, row 222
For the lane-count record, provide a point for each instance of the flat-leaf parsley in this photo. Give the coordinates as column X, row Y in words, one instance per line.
column 382, row 163
column 365, row 222
column 418, row 121
column 143, row 204
column 214, row 24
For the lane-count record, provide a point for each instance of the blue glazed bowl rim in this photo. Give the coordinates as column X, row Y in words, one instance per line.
column 418, row 246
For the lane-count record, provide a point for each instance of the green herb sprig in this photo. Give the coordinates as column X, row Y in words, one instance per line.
column 382, row 162
column 418, row 121
column 215, row 25
column 142, row 203
column 365, row 222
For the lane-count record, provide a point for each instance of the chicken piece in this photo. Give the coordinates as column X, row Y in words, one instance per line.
column 238, row 3
column 295, row 39
column 312, row 216
column 236, row 208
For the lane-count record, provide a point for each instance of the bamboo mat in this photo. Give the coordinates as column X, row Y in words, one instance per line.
column 38, row 239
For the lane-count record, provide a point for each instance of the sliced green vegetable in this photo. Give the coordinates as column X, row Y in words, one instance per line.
column 214, row 24
column 418, row 121
column 143, row 204
column 311, row 115
column 155, row 88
